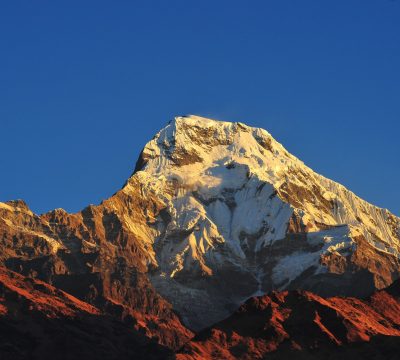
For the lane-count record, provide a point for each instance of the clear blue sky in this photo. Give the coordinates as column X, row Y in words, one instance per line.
column 85, row 84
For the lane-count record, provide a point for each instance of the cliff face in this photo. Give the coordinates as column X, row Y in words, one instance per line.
column 215, row 213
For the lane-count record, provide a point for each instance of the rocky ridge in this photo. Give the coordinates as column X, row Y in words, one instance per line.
column 302, row 325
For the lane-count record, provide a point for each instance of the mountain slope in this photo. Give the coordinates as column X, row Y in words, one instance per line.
column 38, row 321
column 214, row 213
column 302, row 325
column 93, row 257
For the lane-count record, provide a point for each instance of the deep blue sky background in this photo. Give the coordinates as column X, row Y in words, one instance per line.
column 85, row 84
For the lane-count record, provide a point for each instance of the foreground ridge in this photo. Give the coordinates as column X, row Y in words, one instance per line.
column 301, row 324
column 38, row 321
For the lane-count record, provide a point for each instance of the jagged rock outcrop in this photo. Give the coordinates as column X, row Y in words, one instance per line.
column 214, row 214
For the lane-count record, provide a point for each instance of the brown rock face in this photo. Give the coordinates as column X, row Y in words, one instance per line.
column 93, row 256
column 300, row 324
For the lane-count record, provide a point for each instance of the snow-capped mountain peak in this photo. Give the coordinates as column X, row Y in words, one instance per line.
column 238, row 204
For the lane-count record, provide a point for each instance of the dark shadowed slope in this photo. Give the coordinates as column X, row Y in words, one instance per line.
column 38, row 321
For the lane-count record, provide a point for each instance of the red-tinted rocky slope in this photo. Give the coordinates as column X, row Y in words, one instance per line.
column 303, row 325
column 38, row 321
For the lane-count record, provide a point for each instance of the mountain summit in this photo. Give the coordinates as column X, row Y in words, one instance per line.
column 214, row 213
column 241, row 217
